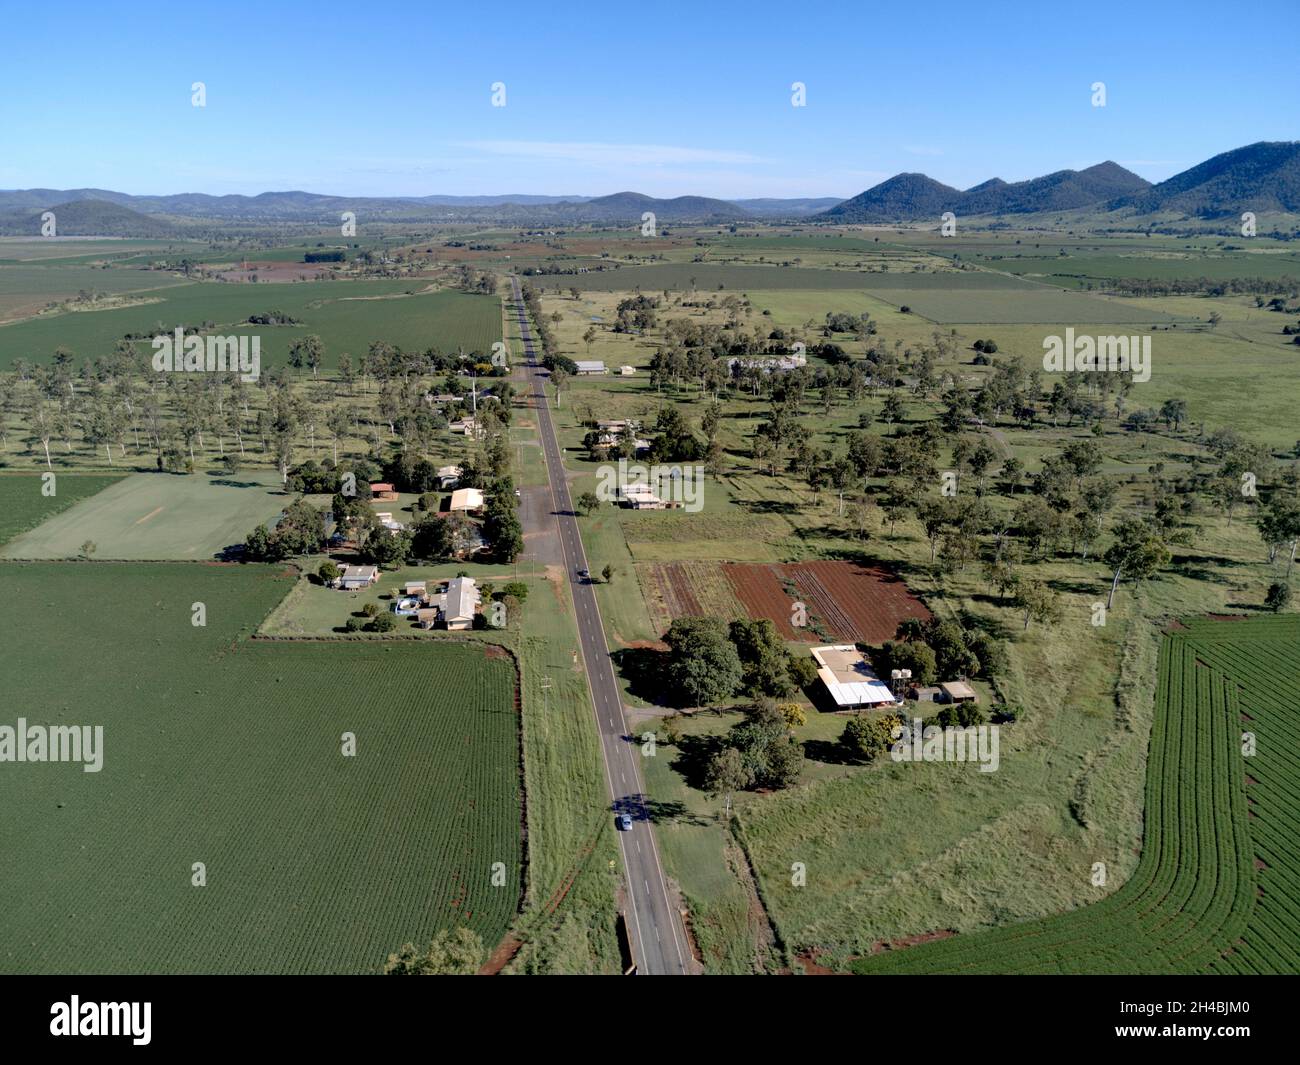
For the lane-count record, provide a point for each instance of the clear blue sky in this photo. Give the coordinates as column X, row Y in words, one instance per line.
column 668, row 98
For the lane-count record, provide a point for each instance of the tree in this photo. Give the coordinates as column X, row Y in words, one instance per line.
column 726, row 773
column 502, row 529
column 458, row 953
column 864, row 738
column 558, row 379
column 1279, row 594
column 763, row 657
column 432, row 539
column 770, row 754
column 607, row 573
column 703, row 666
column 587, row 502
column 909, row 654
column 794, row 714
column 1038, row 601
column 1137, row 552
column 328, row 572
column 803, row 671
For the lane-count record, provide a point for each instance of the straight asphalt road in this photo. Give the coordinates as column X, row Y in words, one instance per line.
column 654, row 925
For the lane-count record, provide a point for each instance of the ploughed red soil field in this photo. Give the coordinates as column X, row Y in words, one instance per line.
column 843, row 601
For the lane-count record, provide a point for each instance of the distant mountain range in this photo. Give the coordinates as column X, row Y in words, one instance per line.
column 912, row 197
column 1259, row 177
column 1263, row 177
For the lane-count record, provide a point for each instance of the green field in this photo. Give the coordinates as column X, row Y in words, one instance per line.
column 347, row 315
column 226, row 751
column 157, row 516
column 23, row 506
column 30, row 288
column 1218, row 886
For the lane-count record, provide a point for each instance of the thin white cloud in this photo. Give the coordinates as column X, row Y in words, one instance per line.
column 591, row 153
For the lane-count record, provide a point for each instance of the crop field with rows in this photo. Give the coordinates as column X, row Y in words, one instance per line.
column 1217, row 889
column 228, row 751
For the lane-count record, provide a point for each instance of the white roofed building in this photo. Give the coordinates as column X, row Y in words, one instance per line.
column 849, row 679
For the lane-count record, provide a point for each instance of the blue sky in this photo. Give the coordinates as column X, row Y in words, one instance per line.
column 668, row 99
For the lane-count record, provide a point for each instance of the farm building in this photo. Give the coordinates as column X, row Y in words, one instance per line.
column 639, row 497
column 590, row 366
column 929, row 694
column 849, row 678
column 956, row 691
column 385, row 518
column 416, row 588
column 449, row 477
column 465, row 426
column 354, row 578
column 459, row 602
column 427, row 617
column 627, row 371
column 382, row 492
column 466, row 499
column 782, row 364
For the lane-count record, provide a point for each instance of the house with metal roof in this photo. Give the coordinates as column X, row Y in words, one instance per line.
column 848, row 677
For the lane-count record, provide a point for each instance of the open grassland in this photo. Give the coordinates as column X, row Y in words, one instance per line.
column 157, row 516
column 24, row 506
column 347, row 315
column 1218, row 886
column 1243, row 373
column 226, row 751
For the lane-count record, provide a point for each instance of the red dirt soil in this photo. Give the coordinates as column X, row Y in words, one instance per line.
column 853, row 602
column 500, row 958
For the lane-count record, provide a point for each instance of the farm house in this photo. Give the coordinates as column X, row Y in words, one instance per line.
column 459, row 602
column 354, row 578
column 849, row 679
column 587, row 367
column 466, row 499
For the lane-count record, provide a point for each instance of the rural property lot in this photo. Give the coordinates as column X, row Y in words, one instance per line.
column 158, row 516
column 226, row 751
